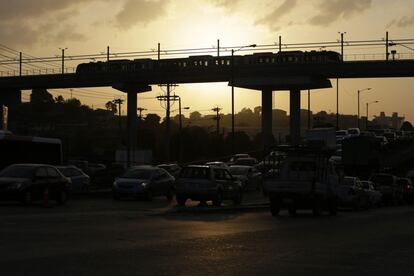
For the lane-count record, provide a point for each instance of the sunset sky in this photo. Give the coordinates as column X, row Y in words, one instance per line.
column 41, row 27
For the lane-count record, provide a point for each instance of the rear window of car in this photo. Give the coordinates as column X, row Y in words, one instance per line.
column 138, row 174
column 18, row 171
column 194, row 172
column 382, row 179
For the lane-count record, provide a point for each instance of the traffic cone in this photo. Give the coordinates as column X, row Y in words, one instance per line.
column 46, row 198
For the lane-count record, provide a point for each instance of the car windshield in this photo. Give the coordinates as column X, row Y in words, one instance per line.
column 137, row 173
column 65, row 171
column 194, row 172
column 239, row 170
column 18, row 171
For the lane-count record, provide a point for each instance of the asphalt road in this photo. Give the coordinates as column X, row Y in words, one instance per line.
column 103, row 237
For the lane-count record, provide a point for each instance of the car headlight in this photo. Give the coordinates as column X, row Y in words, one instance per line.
column 115, row 184
column 144, row 184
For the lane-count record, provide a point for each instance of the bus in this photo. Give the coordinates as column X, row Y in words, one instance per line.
column 28, row 149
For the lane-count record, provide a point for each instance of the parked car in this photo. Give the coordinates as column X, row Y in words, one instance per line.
column 374, row 196
column 341, row 134
column 28, row 182
column 387, row 185
column 354, row 132
column 80, row 181
column 147, row 181
column 248, row 161
column 250, row 177
column 172, row 169
column 407, row 190
column 218, row 164
column 204, row 183
column 352, row 194
column 237, row 156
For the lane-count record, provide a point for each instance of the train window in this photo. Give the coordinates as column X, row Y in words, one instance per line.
column 222, row 62
column 205, row 63
column 195, row 63
column 290, row 59
column 273, row 60
column 267, row 60
column 260, row 60
column 228, row 62
column 216, row 62
column 184, row 64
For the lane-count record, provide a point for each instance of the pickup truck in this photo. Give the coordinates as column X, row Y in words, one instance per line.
column 306, row 179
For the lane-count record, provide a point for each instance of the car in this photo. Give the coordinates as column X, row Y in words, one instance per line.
column 234, row 158
column 352, row 194
column 387, row 185
column 249, row 176
column 383, row 142
column 248, row 161
column 341, row 134
column 217, row 164
column 374, row 196
column 407, row 189
column 204, row 183
column 80, row 181
column 29, row 182
column 354, row 132
column 144, row 181
column 172, row 169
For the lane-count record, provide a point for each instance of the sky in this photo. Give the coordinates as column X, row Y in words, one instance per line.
column 42, row 27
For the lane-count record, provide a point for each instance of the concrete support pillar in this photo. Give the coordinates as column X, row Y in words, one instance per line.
column 294, row 117
column 267, row 117
column 131, row 127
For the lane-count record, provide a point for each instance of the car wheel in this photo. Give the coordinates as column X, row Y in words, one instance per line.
column 219, row 198
column 239, row 198
column 62, row 197
column 27, row 197
column 274, row 206
column 181, row 201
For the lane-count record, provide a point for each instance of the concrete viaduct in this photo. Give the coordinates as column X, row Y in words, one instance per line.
column 266, row 78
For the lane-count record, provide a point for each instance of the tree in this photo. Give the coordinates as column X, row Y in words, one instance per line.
column 41, row 96
column 153, row 119
column 59, row 99
column 111, row 106
column 195, row 116
column 407, row 126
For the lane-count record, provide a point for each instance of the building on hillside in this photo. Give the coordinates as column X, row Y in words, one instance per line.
column 384, row 121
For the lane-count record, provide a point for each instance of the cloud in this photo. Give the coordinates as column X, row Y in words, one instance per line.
column 403, row 22
column 272, row 19
column 225, row 3
column 140, row 12
column 27, row 22
column 333, row 10
column 26, row 9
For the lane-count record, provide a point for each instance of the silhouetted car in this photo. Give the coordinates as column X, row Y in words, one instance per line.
column 249, row 176
column 374, row 196
column 205, row 183
column 237, row 156
column 28, row 182
column 249, row 161
column 80, row 181
column 387, row 185
column 407, row 190
column 172, row 169
column 145, row 181
column 217, row 164
column 352, row 194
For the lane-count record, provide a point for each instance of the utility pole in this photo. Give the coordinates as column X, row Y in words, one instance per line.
column 107, row 53
column 218, row 47
column 309, row 110
column 140, row 110
column 167, row 98
column 217, row 118
column 119, row 102
column 342, row 45
column 337, row 104
column 63, row 59
column 20, row 64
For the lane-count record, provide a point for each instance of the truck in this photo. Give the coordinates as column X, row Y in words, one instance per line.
column 305, row 179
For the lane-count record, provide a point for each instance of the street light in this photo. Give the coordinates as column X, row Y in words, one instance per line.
column 359, row 92
column 366, row 124
column 232, row 92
